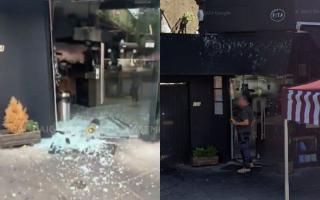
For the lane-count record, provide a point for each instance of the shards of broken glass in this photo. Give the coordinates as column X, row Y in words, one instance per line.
column 73, row 136
column 89, row 145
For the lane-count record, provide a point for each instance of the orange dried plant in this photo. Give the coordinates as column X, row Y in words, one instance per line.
column 16, row 117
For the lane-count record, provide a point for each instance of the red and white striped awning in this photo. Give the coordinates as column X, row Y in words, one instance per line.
column 302, row 103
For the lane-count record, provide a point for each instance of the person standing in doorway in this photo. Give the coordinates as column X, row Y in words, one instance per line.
column 243, row 123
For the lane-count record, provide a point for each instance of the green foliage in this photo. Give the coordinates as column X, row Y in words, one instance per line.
column 32, row 126
column 122, row 18
column 147, row 26
column 133, row 24
column 189, row 16
column 205, row 152
column 140, row 26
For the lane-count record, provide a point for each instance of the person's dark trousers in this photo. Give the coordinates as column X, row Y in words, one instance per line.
column 244, row 140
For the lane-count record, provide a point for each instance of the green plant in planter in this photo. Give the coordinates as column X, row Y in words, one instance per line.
column 205, row 152
column 32, row 126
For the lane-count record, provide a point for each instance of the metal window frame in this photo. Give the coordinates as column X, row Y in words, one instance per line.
column 301, row 23
column 51, row 12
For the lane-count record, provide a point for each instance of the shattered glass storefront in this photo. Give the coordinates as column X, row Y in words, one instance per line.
column 106, row 64
column 86, row 72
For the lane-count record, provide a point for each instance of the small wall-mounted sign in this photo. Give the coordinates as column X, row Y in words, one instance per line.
column 277, row 15
column 196, row 104
column 2, row 48
column 167, row 122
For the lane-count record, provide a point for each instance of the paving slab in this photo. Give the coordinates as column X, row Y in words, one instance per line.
column 212, row 183
column 30, row 173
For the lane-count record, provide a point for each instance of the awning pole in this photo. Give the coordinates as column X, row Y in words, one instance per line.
column 286, row 160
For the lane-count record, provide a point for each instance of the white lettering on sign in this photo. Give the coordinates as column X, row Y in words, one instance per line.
column 196, row 104
column 2, row 48
column 223, row 13
column 277, row 15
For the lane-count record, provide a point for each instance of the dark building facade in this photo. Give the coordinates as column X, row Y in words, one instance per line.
column 25, row 63
column 232, row 44
column 26, row 58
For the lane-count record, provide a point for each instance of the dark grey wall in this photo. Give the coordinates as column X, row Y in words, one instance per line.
column 226, row 54
column 206, row 128
column 25, row 68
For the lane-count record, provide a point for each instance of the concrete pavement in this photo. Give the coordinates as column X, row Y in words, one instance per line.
column 214, row 183
column 29, row 173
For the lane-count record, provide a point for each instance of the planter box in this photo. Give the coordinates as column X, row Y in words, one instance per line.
column 8, row 140
column 205, row 161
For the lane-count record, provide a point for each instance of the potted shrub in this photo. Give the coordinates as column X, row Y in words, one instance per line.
column 19, row 130
column 205, row 156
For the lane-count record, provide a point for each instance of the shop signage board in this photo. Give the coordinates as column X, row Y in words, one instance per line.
column 226, row 53
column 249, row 15
column 308, row 10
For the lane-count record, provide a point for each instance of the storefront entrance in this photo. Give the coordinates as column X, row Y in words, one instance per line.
column 106, row 69
column 264, row 94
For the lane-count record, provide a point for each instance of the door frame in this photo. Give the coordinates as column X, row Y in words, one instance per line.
column 51, row 15
column 188, row 132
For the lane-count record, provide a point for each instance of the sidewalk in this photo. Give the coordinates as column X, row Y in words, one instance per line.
column 213, row 183
column 29, row 173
